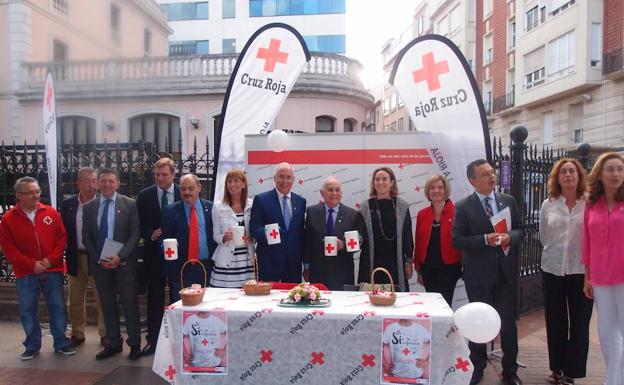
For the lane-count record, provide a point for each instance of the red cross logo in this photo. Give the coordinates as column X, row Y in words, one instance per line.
column 170, row 372
column 204, row 342
column 47, row 220
column 357, row 205
column 169, row 252
column 462, row 364
column 274, row 234
column 406, row 351
column 272, row 55
column 430, row 71
column 329, row 248
column 417, row 189
column 401, row 166
column 422, row 315
column 352, row 243
column 48, row 101
column 368, row 360
column 317, row 358
column 266, row 356
column 267, row 310
column 368, row 314
column 318, row 312
column 300, row 181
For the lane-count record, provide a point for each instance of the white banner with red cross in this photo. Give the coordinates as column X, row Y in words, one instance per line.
column 348, row 342
column 264, row 75
column 48, row 114
column 441, row 94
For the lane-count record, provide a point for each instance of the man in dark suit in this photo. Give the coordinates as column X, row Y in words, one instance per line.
column 282, row 261
column 113, row 216
column 77, row 260
column 178, row 221
column 330, row 218
column 489, row 274
column 151, row 201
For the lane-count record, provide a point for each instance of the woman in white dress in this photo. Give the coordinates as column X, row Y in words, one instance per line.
column 233, row 265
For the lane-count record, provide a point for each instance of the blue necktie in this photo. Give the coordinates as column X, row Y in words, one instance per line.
column 287, row 216
column 329, row 228
column 103, row 230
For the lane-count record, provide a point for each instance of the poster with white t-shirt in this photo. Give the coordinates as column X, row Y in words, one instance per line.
column 406, row 350
column 204, row 342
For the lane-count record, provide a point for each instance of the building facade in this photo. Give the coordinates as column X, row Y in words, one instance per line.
column 114, row 95
column 223, row 26
column 548, row 70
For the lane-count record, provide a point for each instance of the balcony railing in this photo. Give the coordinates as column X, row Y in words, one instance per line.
column 192, row 68
column 503, row 102
column 613, row 61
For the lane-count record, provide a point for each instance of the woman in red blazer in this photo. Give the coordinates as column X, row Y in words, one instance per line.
column 438, row 263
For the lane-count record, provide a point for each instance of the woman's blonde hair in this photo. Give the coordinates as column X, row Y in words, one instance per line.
column 596, row 189
column 434, row 178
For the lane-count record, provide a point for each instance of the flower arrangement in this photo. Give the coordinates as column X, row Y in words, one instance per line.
column 304, row 292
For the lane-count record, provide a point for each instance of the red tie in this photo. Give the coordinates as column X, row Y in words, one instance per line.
column 193, row 246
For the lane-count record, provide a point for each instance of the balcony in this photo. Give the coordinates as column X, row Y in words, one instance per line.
column 503, row 103
column 613, row 64
column 188, row 75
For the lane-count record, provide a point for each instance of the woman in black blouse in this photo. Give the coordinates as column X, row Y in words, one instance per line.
column 389, row 228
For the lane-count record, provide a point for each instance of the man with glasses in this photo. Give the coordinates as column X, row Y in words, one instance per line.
column 282, row 261
column 33, row 238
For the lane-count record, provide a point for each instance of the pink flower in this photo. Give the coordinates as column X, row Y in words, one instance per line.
column 297, row 297
column 312, row 296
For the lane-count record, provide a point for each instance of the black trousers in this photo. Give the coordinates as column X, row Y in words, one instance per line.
column 155, row 282
column 442, row 280
column 568, row 313
column 122, row 281
column 501, row 296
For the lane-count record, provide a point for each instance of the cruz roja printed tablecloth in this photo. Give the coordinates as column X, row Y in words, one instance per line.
column 238, row 339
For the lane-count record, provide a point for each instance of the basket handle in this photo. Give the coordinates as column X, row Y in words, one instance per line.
column 255, row 265
column 387, row 273
column 192, row 261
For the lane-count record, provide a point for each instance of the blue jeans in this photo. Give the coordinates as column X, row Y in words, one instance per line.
column 28, row 291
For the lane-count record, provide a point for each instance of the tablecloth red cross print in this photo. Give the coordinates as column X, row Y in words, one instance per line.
column 266, row 355
column 317, row 358
column 170, row 372
column 368, row 360
column 462, row 364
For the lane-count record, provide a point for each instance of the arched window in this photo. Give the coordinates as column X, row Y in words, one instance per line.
column 162, row 130
column 325, row 124
column 350, row 125
column 76, row 129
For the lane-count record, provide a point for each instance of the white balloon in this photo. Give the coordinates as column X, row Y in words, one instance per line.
column 478, row 322
column 277, row 140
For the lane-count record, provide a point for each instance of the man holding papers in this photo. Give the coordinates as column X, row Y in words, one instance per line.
column 110, row 234
column 486, row 229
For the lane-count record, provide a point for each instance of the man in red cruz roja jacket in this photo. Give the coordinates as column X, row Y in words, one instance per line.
column 33, row 239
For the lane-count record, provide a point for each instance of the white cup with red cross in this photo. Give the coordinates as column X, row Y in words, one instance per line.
column 272, row 233
column 238, row 233
column 331, row 246
column 352, row 241
column 170, row 249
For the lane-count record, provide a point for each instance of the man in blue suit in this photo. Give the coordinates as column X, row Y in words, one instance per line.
column 151, row 201
column 177, row 222
column 279, row 262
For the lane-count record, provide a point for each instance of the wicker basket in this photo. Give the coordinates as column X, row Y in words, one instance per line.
column 256, row 287
column 192, row 299
column 380, row 300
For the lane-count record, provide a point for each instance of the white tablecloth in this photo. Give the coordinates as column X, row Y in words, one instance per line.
column 340, row 344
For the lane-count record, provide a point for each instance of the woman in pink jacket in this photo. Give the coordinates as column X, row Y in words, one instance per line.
column 603, row 257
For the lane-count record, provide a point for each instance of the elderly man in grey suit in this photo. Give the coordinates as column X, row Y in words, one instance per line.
column 330, row 218
column 489, row 274
column 114, row 217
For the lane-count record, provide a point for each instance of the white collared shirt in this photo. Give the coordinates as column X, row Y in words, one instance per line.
column 280, row 198
column 493, row 202
column 334, row 214
column 561, row 233
column 170, row 194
